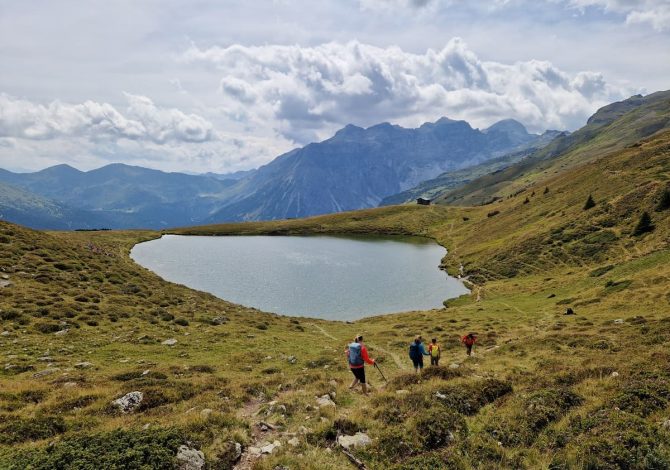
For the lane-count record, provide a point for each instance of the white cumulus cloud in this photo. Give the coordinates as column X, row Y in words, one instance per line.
column 308, row 92
column 142, row 120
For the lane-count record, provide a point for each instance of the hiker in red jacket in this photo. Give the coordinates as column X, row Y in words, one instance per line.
column 357, row 355
column 469, row 340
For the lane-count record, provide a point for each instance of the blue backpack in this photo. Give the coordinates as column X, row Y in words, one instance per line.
column 355, row 355
column 414, row 351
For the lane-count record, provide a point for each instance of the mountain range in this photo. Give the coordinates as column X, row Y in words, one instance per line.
column 356, row 168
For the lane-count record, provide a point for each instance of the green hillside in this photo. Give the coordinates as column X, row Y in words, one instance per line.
column 83, row 325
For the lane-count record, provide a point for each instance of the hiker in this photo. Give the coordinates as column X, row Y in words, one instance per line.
column 434, row 350
column 416, row 353
column 469, row 340
column 357, row 354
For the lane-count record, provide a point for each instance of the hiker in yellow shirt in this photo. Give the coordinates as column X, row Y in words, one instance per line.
column 434, row 350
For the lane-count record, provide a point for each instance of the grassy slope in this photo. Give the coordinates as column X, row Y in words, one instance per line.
column 532, row 260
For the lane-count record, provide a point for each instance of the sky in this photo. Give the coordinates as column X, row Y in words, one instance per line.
column 227, row 85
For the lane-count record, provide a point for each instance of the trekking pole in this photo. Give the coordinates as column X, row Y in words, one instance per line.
column 380, row 371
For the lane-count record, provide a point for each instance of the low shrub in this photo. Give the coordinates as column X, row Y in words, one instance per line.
column 133, row 450
column 438, row 427
column 14, row 430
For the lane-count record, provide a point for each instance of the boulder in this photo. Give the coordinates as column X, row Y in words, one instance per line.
column 169, row 342
column 190, row 459
column 129, row 402
column 269, row 448
column 45, row 372
column 358, row 440
column 325, row 402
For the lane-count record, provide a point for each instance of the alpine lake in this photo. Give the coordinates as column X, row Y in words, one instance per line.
column 330, row 277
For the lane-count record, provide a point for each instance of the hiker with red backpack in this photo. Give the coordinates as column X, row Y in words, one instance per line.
column 357, row 355
column 416, row 352
column 469, row 341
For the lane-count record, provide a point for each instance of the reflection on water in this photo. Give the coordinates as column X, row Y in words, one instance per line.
column 336, row 278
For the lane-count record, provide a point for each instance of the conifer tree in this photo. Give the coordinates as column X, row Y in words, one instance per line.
column 644, row 225
column 589, row 203
column 664, row 203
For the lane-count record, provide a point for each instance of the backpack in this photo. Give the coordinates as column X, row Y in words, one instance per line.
column 435, row 350
column 414, row 351
column 355, row 354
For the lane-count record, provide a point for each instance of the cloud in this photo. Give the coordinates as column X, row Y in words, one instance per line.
column 653, row 12
column 308, row 92
column 142, row 121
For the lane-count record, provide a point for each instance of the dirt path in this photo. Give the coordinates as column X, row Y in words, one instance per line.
column 393, row 355
column 323, row 332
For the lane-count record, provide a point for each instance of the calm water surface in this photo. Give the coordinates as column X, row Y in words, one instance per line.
column 318, row 276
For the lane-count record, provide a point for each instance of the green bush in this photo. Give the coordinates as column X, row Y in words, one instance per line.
column 644, row 225
column 14, row 430
column 438, row 427
column 643, row 394
column 120, row 449
column 181, row 322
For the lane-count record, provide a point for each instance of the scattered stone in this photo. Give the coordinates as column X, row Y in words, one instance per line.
column 190, row 459
column 402, row 392
column 333, row 383
column 569, row 311
column 614, row 374
column 268, row 358
column 269, row 448
column 5, row 283
column 45, row 359
column 206, row 412
column 70, row 384
column 304, row 430
column 280, row 467
column 62, row 332
column 123, row 361
column 440, row 396
column 325, row 401
column 454, row 365
column 83, row 365
column 220, row 320
column 619, row 321
column 292, row 360
column 129, row 402
column 295, row 442
column 358, row 440
column 255, row 451
column 146, row 426
column 5, row 276
column 169, row 342
column 45, row 372
column 5, row 333
column 666, row 424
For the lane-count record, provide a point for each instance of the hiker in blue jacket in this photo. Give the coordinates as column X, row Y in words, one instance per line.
column 416, row 352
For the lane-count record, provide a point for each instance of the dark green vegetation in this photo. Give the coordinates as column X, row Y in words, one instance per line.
column 543, row 389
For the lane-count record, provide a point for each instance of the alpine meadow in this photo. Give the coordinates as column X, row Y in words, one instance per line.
column 548, row 185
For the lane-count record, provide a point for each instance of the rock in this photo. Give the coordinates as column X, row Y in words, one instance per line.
column 45, row 359
column 169, row 342
column 5, row 333
column 70, row 384
column 5, row 276
column 280, row 467
column 441, row 396
column 45, row 372
column 146, row 426
column 295, row 442
column 83, row 365
column 206, row 412
column 333, row 383
column 358, row 440
column 325, row 402
column 401, row 392
column 304, row 430
column 268, row 358
column 569, row 311
column 269, row 448
column 5, row 283
column 619, row 321
column 255, row 451
column 454, row 365
column 61, row 332
column 129, row 402
column 614, row 374
column 220, row 320
column 666, row 424
column 190, row 459
column 292, row 360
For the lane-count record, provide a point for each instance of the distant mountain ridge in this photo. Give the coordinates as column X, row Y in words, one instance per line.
column 356, row 168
